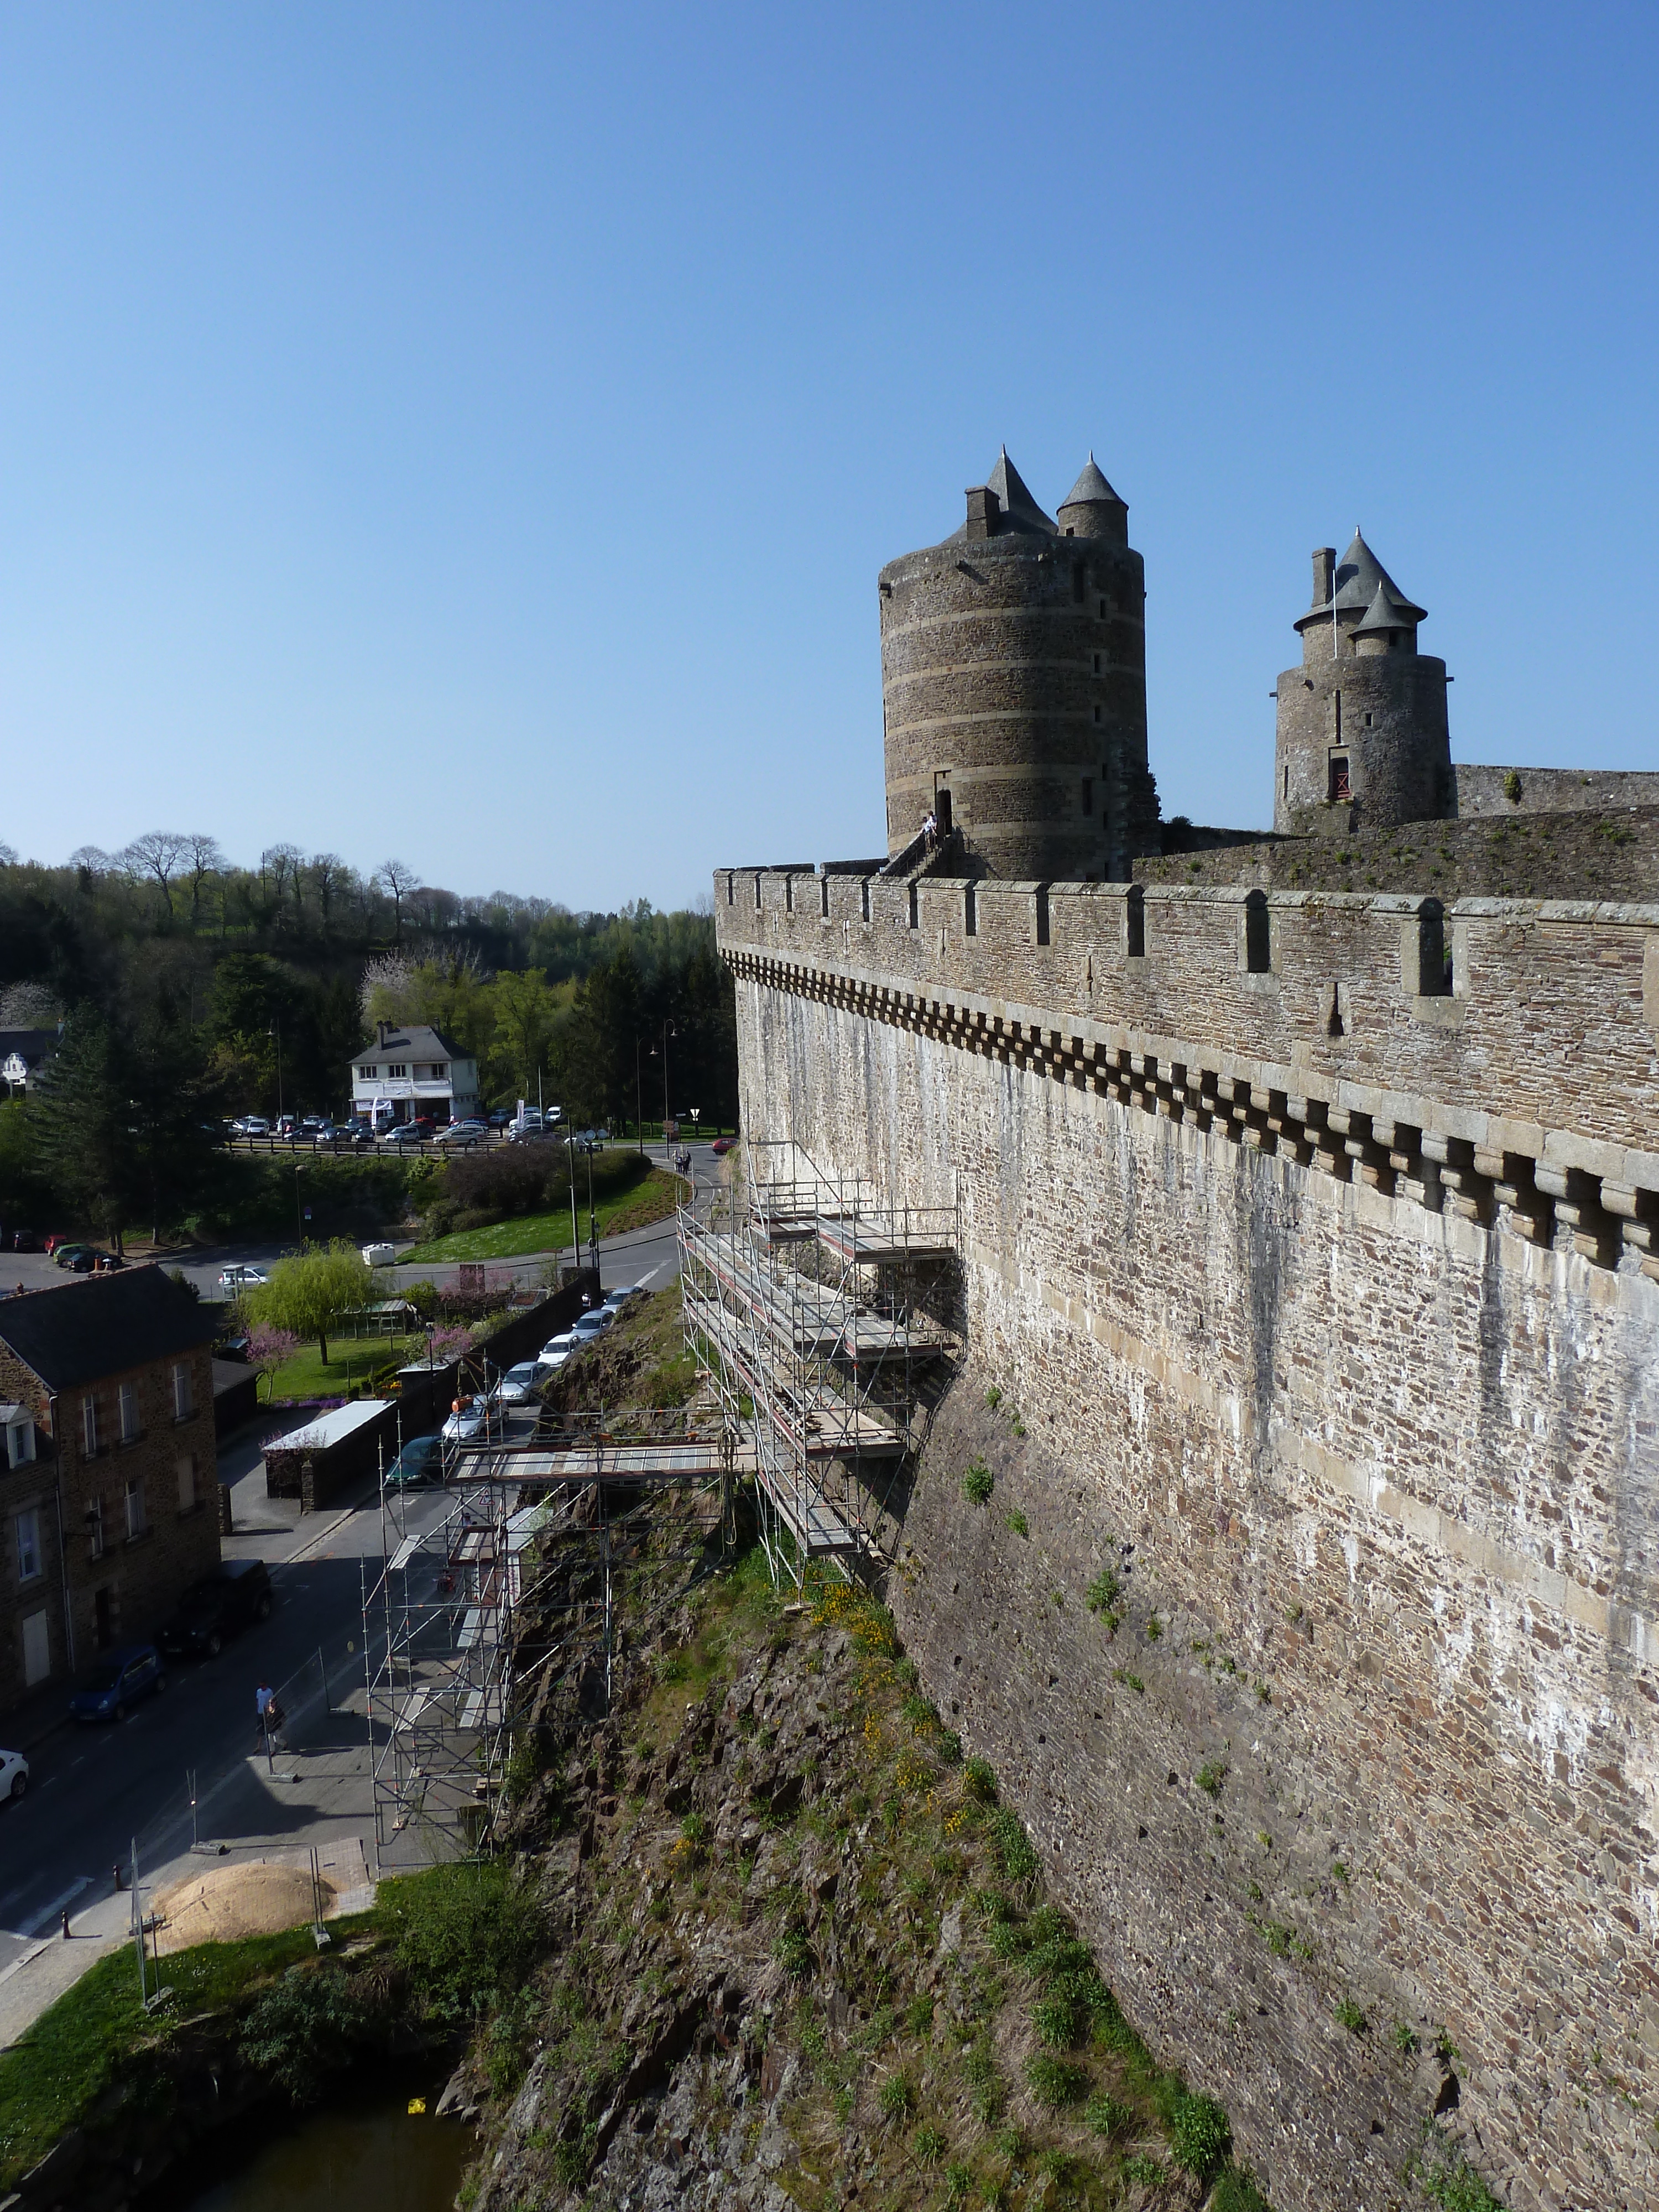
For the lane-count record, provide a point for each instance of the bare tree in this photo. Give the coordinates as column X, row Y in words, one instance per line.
column 204, row 859
column 282, row 863
column 8, row 856
column 399, row 880
column 156, row 855
column 329, row 874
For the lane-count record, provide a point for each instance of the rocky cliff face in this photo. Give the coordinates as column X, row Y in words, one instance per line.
column 801, row 1955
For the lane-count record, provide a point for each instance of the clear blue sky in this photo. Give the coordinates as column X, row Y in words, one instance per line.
column 472, row 432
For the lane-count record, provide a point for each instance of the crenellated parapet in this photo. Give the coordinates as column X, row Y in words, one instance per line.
column 1497, row 1057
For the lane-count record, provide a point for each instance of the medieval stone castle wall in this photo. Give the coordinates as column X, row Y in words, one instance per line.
column 1334, row 1298
column 1309, row 1233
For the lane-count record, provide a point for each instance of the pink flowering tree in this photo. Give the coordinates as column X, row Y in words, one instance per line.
column 268, row 1349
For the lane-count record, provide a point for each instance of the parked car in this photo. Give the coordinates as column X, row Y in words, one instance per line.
column 313, row 1122
column 463, row 1136
column 66, row 1254
column 720, row 1147
column 403, row 1132
column 622, row 1295
column 239, row 1277
column 122, row 1679
column 421, row 1461
column 13, row 1774
column 346, row 1136
column 253, row 1124
column 287, row 1126
column 498, row 1117
column 558, row 1349
column 467, row 1422
column 519, row 1385
column 528, row 1129
column 212, row 1610
column 25, row 1240
column 378, row 1256
column 58, row 1236
column 91, row 1261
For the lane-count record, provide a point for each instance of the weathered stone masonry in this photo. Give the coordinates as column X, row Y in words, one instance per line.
column 1332, row 1293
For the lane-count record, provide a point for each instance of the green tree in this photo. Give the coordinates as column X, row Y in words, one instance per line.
column 526, row 1017
column 309, row 1291
column 83, row 1121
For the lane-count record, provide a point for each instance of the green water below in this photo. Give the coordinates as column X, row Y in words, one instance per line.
column 370, row 2155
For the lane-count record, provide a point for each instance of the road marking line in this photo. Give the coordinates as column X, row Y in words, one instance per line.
column 50, row 1911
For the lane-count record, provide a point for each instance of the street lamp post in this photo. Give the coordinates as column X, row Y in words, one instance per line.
column 276, row 1030
column 639, row 1107
column 668, row 1030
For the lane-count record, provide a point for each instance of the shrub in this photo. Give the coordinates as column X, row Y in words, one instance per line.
column 1019, row 1860
column 929, row 2145
column 1054, row 2082
column 1106, row 2116
column 1102, row 1594
column 1349, row 2016
column 467, row 1934
column 979, row 1779
column 1017, row 1521
column 1198, row 2135
column 1237, row 2191
column 896, row 2097
column 978, row 1483
column 1210, row 1777
column 1512, row 788
column 309, row 2027
column 1057, row 2022
column 957, row 2180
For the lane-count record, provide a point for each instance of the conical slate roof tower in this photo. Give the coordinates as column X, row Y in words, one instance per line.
column 1014, row 685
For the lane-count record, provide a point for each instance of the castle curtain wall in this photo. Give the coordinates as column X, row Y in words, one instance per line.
column 1383, row 1442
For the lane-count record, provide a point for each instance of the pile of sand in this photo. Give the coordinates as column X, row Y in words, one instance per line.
column 228, row 1902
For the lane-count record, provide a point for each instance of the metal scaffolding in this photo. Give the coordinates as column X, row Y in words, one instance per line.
column 803, row 1300
column 495, row 1586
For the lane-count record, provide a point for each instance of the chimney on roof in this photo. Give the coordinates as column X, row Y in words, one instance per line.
column 379, row 1035
column 1324, row 561
column 984, row 511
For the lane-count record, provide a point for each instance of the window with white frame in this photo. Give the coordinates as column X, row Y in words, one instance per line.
column 184, row 1402
column 20, row 1435
column 129, row 1405
column 26, row 1525
column 95, row 1524
column 89, row 1425
column 186, row 1467
column 137, row 1520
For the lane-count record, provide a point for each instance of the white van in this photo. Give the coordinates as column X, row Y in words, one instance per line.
column 378, row 1256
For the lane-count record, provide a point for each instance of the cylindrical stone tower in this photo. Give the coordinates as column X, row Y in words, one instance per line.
column 1014, row 677
column 1362, row 742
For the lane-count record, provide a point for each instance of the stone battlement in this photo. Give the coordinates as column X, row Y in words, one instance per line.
column 1320, row 1025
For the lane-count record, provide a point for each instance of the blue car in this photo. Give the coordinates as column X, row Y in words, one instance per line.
column 118, row 1682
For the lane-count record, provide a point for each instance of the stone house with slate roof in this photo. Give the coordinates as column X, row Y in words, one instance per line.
column 108, row 1477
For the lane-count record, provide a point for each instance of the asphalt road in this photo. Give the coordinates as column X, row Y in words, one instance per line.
column 625, row 1259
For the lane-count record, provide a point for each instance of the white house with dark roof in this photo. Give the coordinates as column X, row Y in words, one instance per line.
column 403, row 1072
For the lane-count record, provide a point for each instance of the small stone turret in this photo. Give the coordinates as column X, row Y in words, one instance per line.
column 1363, row 740
column 1014, row 683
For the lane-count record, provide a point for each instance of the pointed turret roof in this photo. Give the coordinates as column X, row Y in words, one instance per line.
column 1020, row 510
column 1360, row 576
column 1385, row 614
column 1092, row 490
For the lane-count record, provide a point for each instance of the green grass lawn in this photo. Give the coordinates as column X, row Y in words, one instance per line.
column 351, row 1359
column 648, row 1201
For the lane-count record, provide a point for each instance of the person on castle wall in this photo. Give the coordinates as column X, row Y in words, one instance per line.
column 930, row 829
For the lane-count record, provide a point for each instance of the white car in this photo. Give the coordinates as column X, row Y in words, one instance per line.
column 593, row 1324
column 469, row 1422
column 518, row 1386
column 242, row 1278
column 378, row 1256
column 558, row 1349
column 13, row 1774
column 618, row 1300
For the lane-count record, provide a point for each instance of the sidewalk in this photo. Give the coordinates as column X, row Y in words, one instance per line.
column 322, row 1797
